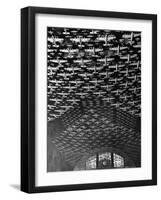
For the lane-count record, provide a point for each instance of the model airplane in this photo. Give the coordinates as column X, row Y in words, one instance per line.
column 96, row 81
column 55, row 39
column 58, row 61
column 57, row 101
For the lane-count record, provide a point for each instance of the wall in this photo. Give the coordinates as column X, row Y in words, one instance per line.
column 55, row 159
column 10, row 98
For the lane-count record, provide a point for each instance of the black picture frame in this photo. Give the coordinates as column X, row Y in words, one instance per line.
column 28, row 98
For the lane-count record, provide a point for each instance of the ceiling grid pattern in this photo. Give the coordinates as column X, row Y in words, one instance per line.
column 94, row 91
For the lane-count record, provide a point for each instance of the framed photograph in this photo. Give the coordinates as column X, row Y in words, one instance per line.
column 88, row 99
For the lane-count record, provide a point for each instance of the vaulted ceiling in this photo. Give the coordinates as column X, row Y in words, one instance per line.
column 94, row 91
column 94, row 125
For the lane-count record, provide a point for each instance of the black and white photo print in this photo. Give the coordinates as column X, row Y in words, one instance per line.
column 93, row 99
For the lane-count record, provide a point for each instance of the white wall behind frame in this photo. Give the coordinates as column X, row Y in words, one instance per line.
column 95, row 176
column 10, row 98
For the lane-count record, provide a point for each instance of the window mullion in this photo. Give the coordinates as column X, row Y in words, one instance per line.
column 97, row 160
column 112, row 159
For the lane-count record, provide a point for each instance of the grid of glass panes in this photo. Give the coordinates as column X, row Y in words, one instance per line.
column 106, row 155
column 108, row 159
column 91, row 162
column 105, row 160
column 118, row 161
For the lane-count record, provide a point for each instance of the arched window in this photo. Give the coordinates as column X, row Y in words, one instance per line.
column 105, row 160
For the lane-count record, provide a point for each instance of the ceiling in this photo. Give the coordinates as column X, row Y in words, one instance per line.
column 94, row 91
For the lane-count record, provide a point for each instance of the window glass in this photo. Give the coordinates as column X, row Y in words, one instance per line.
column 105, row 160
column 118, row 161
column 91, row 162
